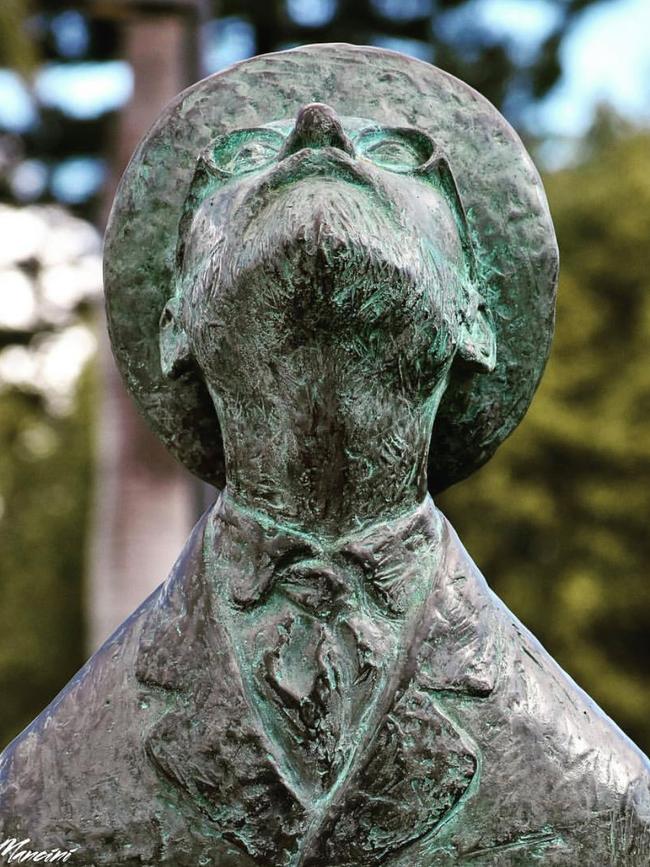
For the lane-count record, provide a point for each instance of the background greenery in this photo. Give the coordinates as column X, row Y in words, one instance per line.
column 558, row 520
column 45, row 470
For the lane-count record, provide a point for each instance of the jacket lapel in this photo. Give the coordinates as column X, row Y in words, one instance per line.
column 418, row 766
column 206, row 739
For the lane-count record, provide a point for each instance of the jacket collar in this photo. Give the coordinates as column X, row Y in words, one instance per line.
column 208, row 738
column 388, row 555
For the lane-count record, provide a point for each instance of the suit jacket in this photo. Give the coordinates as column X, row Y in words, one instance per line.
column 283, row 703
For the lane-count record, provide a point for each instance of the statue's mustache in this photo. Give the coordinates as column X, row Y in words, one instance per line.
column 329, row 162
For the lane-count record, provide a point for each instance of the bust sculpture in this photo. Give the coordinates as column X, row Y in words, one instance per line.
column 330, row 279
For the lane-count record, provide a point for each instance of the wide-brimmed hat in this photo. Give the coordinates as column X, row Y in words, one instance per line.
column 500, row 189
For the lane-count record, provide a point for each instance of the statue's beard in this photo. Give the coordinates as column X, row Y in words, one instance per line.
column 331, row 247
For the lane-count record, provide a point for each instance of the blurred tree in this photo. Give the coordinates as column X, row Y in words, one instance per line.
column 44, row 498
column 17, row 49
column 50, row 276
column 145, row 504
column 558, row 520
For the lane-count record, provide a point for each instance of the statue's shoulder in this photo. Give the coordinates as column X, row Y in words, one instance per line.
column 88, row 695
column 528, row 677
column 535, row 730
column 84, row 751
column 65, row 763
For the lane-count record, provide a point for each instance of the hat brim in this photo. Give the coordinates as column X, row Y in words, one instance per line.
column 499, row 186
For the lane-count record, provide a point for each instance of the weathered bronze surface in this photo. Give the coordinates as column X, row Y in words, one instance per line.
column 330, row 279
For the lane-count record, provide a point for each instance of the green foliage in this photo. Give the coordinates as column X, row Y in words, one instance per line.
column 558, row 520
column 44, row 493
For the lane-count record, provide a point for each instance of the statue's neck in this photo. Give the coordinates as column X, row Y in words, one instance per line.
column 327, row 460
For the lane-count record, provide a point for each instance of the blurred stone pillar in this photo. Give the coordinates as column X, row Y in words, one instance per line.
column 145, row 502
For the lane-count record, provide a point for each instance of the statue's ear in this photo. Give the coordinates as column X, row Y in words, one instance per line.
column 175, row 354
column 478, row 346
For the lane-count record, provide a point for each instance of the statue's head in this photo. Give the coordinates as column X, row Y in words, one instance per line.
column 330, row 248
column 331, row 215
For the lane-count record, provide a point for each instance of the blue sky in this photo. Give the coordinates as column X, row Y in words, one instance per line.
column 606, row 58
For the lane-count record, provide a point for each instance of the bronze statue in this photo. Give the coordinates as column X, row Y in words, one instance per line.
column 330, row 279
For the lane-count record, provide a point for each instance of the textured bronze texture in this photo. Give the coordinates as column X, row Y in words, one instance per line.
column 330, row 286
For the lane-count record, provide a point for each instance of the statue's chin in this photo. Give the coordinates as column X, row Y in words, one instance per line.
column 324, row 229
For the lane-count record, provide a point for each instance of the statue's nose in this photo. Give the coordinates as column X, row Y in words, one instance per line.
column 317, row 126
